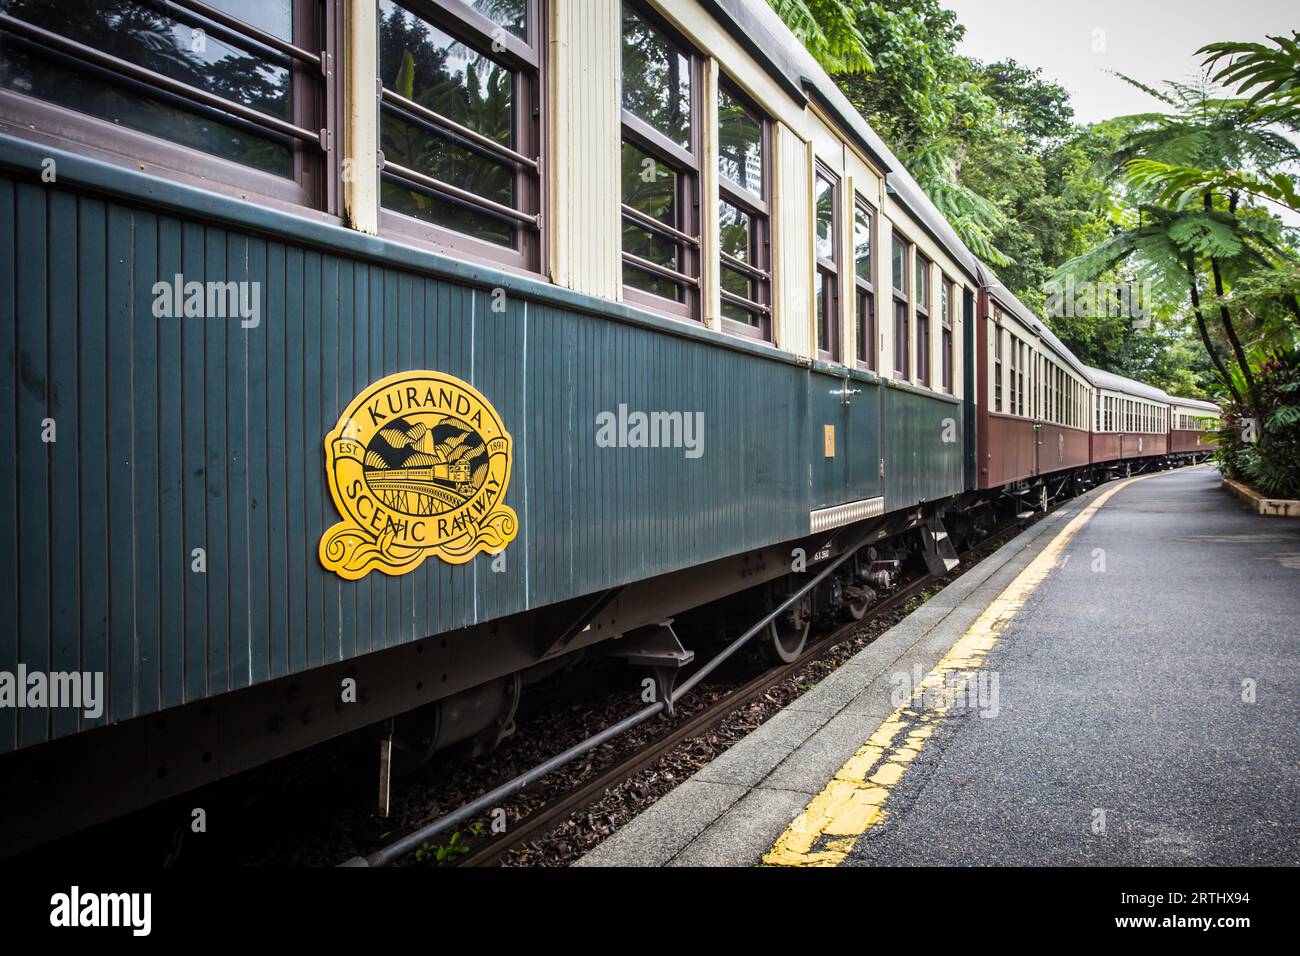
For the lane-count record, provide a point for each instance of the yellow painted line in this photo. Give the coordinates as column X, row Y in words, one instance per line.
column 855, row 799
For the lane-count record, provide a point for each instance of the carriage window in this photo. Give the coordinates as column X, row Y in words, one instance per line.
column 826, row 242
column 864, row 279
column 744, row 249
column 997, row 367
column 459, row 131
column 511, row 15
column 1022, row 397
column 660, row 170
column 922, row 319
column 234, row 92
column 947, row 305
column 1013, row 377
column 899, row 255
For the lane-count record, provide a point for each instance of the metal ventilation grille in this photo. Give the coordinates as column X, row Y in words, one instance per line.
column 827, row 518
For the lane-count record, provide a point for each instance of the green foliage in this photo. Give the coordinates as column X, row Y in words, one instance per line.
column 1272, row 462
column 1178, row 197
column 441, row 852
column 828, row 30
column 1270, row 74
column 1174, row 185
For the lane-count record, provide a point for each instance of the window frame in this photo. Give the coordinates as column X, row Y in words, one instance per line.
column 867, row 356
column 314, row 189
column 923, row 279
column 947, row 305
column 827, row 272
column 901, row 299
column 527, row 61
column 759, row 209
column 686, row 234
column 999, row 404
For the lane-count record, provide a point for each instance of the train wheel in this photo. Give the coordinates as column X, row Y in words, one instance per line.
column 785, row 637
column 857, row 601
column 477, row 719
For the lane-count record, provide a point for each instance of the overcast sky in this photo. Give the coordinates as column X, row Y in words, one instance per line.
column 1077, row 41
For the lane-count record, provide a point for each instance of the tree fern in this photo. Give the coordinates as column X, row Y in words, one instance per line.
column 828, row 29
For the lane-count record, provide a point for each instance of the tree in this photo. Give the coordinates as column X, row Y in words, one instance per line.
column 1198, row 246
column 827, row 29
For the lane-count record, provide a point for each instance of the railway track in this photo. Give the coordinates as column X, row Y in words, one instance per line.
column 553, row 813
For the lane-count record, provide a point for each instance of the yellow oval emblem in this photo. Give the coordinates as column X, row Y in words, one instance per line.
column 418, row 464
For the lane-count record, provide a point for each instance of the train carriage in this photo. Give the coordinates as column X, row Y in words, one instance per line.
column 1131, row 420
column 1189, row 421
column 1035, row 395
column 365, row 387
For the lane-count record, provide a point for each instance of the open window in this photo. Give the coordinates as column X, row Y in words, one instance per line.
column 947, row 305
column 744, row 230
column 238, row 96
column 826, row 244
column 922, row 296
column 660, row 167
column 460, row 127
column 900, row 255
column 864, row 283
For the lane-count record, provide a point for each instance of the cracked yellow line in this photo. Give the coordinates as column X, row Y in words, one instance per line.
column 855, row 799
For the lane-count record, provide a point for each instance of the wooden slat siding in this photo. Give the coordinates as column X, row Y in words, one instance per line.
column 9, row 450
column 589, row 517
column 277, row 458
column 343, row 393
column 65, row 612
column 375, row 586
column 236, row 455
column 539, row 465
column 173, row 561
column 434, row 305
column 33, row 568
column 257, row 342
column 918, row 465
column 390, row 622
column 458, row 602
column 193, row 451
column 792, row 222
column 360, row 378
column 326, row 415
column 404, row 605
column 585, row 48
column 585, row 420
column 145, row 403
column 611, row 476
column 217, row 525
column 296, row 448
column 93, row 437
column 121, row 515
column 312, row 485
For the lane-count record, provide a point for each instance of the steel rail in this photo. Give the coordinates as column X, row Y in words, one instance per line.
column 413, row 840
column 655, row 268
column 464, row 132
column 588, row 790
column 748, row 305
column 464, row 195
column 740, row 265
column 248, row 31
column 654, row 225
